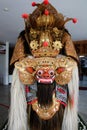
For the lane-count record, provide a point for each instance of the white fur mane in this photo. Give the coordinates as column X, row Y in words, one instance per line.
column 18, row 106
column 70, row 120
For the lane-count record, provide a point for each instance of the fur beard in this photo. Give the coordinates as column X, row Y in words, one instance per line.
column 44, row 94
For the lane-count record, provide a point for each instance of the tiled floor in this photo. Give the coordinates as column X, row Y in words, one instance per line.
column 83, row 99
column 83, row 105
column 5, row 101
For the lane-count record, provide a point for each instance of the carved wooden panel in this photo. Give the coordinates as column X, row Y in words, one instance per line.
column 81, row 47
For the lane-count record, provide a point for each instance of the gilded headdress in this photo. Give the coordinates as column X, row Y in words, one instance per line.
column 45, row 34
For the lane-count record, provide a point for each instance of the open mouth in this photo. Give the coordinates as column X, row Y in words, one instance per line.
column 45, row 80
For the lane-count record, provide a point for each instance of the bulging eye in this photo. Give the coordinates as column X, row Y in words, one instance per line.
column 39, row 72
column 51, row 72
column 60, row 70
column 30, row 69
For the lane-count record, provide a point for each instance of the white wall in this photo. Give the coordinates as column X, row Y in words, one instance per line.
column 11, row 23
column 4, row 68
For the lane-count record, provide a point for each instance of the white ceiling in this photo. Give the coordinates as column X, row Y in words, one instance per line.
column 11, row 23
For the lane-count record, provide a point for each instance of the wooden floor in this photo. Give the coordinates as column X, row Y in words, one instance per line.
column 5, row 101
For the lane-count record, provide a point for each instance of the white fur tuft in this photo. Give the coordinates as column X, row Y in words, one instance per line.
column 70, row 120
column 18, row 106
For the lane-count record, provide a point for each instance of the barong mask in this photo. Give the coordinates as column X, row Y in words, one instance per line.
column 48, row 72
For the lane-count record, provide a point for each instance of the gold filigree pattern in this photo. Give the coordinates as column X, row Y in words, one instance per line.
column 34, row 44
column 57, row 45
column 33, row 33
column 46, row 113
column 18, row 51
column 56, row 31
column 37, row 44
column 45, row 20
column 47, row 62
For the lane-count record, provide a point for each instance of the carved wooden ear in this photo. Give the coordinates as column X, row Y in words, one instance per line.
column 60, row 70
column 30, row 69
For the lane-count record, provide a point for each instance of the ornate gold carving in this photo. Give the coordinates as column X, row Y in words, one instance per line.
column 45, row 37
column 45, row 20
column 26, row 78
column 46, row 62
column 33, row 33
column 18, row 51
column 34, row 44
column 57, row 45
column 69, row 46
column 69, row 64
column 46, row 113
column 37, row 43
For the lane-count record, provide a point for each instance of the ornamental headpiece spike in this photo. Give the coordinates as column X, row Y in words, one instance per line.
column 74, row 20
column 35, row 4
column 25, row 15
column 46, row 2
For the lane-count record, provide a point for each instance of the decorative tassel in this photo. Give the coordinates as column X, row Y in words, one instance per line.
column 34, row 4
column 74, row 20
column 25, row 16
column 46, row 2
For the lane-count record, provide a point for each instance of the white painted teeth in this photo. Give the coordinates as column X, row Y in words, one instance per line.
column 51, row 81
column 45, row 80
column 39, row 80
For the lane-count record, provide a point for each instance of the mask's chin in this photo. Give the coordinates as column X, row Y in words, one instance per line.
column 45, row 93
column 46, row 112
column 46, row 106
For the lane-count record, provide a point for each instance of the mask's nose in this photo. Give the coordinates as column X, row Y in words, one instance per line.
column 45, row 75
